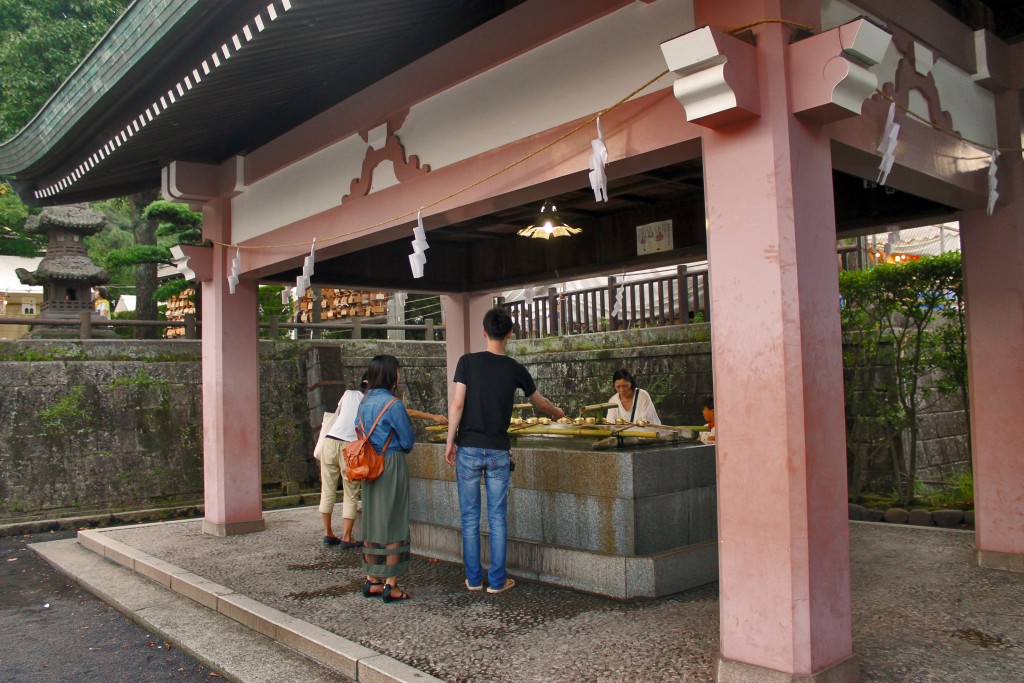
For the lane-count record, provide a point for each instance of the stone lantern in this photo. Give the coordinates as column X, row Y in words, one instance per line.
column 65, row 273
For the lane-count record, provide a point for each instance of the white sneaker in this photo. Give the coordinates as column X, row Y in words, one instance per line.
column 509, row 585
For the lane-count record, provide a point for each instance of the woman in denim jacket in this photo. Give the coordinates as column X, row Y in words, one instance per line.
column 386, row 499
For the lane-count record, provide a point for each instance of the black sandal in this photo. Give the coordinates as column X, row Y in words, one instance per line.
column 367, row 593
column 389, row 594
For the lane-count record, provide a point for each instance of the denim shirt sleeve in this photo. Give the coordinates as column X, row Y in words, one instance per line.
column 396, row 420
column 404, row 436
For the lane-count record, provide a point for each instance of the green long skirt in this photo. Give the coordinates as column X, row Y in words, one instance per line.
column 386, row 519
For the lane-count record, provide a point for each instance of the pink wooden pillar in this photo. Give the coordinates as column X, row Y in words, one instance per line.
column 231, row 396
column 463, row 323
column 782, row 505
column 993, row 249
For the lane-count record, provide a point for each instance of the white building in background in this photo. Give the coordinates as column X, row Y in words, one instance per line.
column 899, row 244
column 18, row 300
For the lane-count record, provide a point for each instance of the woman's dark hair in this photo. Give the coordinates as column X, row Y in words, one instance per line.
column 382, row 373
column 709, row 403
column 102, row 292
column 363, row 383
column 497, row 323
column 626, row 375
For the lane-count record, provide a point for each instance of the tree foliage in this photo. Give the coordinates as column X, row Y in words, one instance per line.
column 135, row 254
column 907, row 318
column 176, row 222
column 13, row 240
column 41, row 42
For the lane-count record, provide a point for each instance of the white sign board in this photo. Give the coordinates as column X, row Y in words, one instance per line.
column 654, row 237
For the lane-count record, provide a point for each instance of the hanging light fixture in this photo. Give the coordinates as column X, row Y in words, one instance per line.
column 548, row 224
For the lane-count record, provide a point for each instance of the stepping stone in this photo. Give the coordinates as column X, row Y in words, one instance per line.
column 919, row 517
column 896, row 516
column 873, row 515
column 948, row 518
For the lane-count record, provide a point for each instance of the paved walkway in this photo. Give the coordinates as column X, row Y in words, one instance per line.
column 922, row 612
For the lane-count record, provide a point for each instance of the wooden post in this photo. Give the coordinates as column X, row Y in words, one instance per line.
column 85, row 329
column 275, row 329
column 684, row 295
column 357, row 327
column 553, row 315
column 429, row 334
column 315, row 313
column 613, row 320
column 190, row 326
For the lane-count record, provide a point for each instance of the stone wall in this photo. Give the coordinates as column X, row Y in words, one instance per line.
column 100, row 424
column 942, row 449
column 107, row 423
column 672, row 363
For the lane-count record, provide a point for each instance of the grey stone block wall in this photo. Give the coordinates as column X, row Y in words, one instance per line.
column 942, row 450
column 147, row 443
column 621, row 502
column 101, row 424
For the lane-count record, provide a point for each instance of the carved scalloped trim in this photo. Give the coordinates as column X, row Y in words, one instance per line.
column 393, row 150
column 907, row 78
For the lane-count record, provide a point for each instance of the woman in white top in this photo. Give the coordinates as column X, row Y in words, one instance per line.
column 631, row 404
column 332, row 466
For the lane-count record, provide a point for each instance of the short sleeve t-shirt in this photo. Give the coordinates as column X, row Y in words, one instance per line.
column 491, row 382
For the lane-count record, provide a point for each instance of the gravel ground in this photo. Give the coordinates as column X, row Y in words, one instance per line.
column 921, row 612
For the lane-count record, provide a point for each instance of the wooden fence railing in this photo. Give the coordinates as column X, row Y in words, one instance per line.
column 674, row 299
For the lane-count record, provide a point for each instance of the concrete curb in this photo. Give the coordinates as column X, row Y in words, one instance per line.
column 328, row 649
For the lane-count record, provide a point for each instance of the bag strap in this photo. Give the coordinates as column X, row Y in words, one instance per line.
column 379, row 416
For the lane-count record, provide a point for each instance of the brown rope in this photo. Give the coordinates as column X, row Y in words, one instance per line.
column 787, row 22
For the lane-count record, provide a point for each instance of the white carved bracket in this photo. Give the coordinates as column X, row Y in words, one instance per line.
column 829, row 73
column 195, row 183
column 717, row 82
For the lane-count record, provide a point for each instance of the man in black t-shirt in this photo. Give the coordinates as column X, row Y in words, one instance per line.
column 478, row 444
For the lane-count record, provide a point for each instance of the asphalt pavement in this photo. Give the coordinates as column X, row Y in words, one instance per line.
column 52, row 631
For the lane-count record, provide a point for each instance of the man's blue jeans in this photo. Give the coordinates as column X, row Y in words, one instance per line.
column 493, row 466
